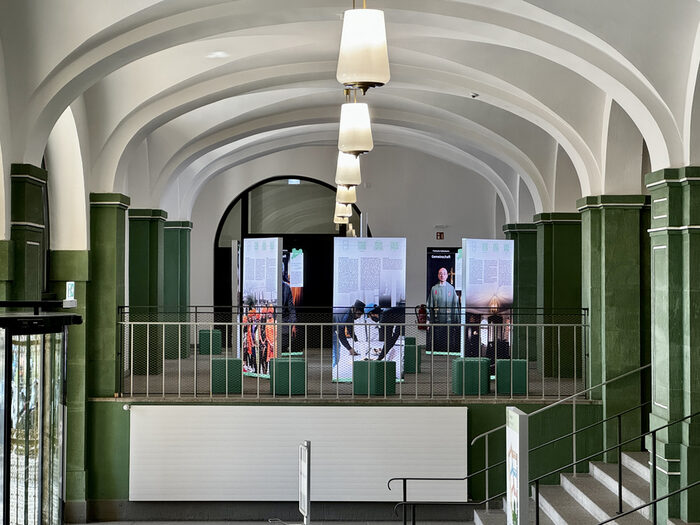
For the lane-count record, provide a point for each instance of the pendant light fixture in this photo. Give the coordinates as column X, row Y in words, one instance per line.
column 363, row 61
column 346, row 195
column 347, row 172
column 343, row 210
column 355, row 134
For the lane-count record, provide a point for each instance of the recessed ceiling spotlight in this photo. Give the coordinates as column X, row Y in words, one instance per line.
column 218, row 54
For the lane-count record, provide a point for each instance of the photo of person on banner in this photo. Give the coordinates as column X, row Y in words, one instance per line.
column 443, row 309
column 344, row 339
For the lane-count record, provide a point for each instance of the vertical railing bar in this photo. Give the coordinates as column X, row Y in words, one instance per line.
column 432, row 360
column 447, row 379
column 226, row 358
column 163, row 369
column 131, row 359
column 148, row 356
column 527, row 361
column 478, row 374
column 543, row 363
column 196, row 350
column 653, row 475
column 405, row 490
column 619, row 463
column 486, row 448
column 211, row 360
column 179, row 360
column 306, row 357
column 321, row 384
column 559, row 361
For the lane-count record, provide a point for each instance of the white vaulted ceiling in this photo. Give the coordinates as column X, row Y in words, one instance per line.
column 560, row 83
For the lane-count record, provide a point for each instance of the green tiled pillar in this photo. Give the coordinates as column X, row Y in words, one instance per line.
column 28, row 216
column 146, row 285
column 176, row 293
column 675, row 278
column 105, row 291
column 524, row 237
column 614, row 229
column 68, row 265
column 558, row 291
column 7, row 269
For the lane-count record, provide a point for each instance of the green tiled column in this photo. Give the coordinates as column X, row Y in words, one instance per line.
column 28, row 224
column 614, row 229
column 176, row 295
column 66, row 266
column 524, row 237
column 675, row 278
column 7, row 269
column 146, row 285
column 105, row 291
column 558, row 290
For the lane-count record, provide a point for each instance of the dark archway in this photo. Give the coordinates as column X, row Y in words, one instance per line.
column 300, row 213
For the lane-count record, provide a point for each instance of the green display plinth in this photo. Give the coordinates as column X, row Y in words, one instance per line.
column 519, row 376
column 282, row 370
column 207, row 348
column 219, row 377
column 411, row 359
column 408, row 340
column 377, row 377
column 469, row 374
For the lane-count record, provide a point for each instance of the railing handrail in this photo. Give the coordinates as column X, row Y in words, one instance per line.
column 468, row 502
column 213, row 323
column 464, row 478
column 610, row 449
column 468, row 476
column 652, row 502
column 563, row 400
column 589, row 426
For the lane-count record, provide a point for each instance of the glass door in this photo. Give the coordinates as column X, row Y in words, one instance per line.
column 53, row 418
column 25, row 442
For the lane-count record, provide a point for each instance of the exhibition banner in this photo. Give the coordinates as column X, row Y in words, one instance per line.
column 448, row 258
column 517, row 495
column 262, row 292
column 444, row 289
column 487, row 297
column 369, row 294
column 488, row 274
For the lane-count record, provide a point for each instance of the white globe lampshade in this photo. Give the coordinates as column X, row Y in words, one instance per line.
column 343, row 210
column 363, row 60
column 355, row 134
column 347, row 171
column 346, row 195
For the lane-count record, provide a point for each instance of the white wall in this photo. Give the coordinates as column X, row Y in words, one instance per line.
column 404, row 194
column 249, row 453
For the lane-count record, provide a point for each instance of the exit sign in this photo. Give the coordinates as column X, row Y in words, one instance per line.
column 440, row 236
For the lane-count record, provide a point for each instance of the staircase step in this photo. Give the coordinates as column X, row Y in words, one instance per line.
column 635, row 490
column 637, row 462
column 597, row 499
column 562, row 508
column 677, row 521
column 498, row 517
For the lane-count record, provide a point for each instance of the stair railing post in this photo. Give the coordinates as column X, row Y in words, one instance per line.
column 413, row 515
column 404, row 501
column 537, row 502
column 488, row 503
column 653, row 475
column 619, row 463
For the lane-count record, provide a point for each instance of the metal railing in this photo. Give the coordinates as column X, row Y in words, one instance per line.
column 618, row 448
column 572, row 398
column 193, row 354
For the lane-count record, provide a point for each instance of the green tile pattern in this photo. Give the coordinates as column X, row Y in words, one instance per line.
column 524, row 237
column 69, row 265
column 613, row 243
column 105, row 290
column 675, row 314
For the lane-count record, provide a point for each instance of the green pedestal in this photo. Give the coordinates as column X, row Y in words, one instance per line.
column 370, row 375
column 409, row 340
column 219, row 378
column 466, row 372
column 411, row 359
column 519, row 377
column 280, row 375
column 205, row 347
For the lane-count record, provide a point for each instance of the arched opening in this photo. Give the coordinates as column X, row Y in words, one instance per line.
column 297, row 209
